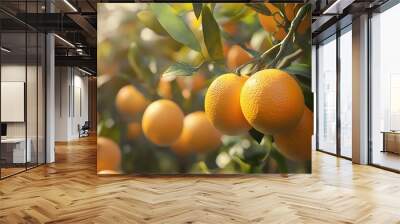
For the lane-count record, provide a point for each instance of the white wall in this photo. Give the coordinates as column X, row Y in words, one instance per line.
column 71, row 94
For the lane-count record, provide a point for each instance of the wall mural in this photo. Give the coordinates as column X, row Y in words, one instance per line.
column 204, row 88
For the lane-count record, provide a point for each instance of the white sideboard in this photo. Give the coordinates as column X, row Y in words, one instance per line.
column 18, row 147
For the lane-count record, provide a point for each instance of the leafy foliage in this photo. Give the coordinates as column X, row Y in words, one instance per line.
column 211, row 34
column 174, row 25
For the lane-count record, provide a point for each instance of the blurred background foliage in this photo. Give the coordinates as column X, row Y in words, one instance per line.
column 174, row 51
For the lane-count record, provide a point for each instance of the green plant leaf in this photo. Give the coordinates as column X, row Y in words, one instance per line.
column 149, row 20
column 179, row 69
column 256, row 135
column 299, row 69
column 112, row 132
column 175, row 25
column 212, row 6
column 212, row 34
column 308, row 95
column 197, row 7
column 260, row 8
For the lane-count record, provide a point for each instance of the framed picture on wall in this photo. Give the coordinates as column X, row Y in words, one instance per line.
column 204, row 88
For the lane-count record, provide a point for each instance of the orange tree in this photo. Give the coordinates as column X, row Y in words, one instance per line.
column 175, row 51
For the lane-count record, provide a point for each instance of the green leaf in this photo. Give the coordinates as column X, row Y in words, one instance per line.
column 252, row 52
column 256, row 135
column 112, row 132
column 308, row 94
column 260, row 8
column 299, row 69
column 149, row 20
column 212, row 6
column 244, row 167
column 197, row 7
column 179, row 69
column 174, row 25
column 212, row 34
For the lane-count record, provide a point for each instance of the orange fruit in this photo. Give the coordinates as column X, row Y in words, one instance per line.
column 162, row 122
column 222, row 104
column 198, row 82
column 164, row 89
column 290, row 10
column 230, row 28
column 295, row 143
column 272, row 23
column 198, row 135
column 304, row 24
column 130, row 101
column 134, row 130
column 225, row 48
column 194, row 83
column 108, row 154
column 108, row 172
column 237, row 56
column 272, row 101
column 280, row 34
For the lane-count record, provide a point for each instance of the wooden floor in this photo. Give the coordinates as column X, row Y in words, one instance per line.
column 70, row 192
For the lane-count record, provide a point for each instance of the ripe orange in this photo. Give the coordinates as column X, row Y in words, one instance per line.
column 295, row 143
column 272, row 23
column 272, row 101
column 108, row 154
column 194, row 83
column 164, row 89
column 230, row 28
column 198, row 135
column 162, row 122
column 304, row 24
column 225, row 48
column 237, row 56
column 130, row 101
column 291, row 10
column 134, row 130
column 222, row 104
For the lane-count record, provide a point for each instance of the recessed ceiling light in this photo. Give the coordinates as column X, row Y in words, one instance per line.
column 70, row 5
column 64, row 40
column 5, row 50
column 84, row 71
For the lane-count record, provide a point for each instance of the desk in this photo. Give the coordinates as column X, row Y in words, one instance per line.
column 391, row 141
column 15, row 148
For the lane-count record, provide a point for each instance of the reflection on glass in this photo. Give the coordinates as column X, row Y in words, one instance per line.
column 31, row 97
column 15, row 151
column 327, row 96
column 385, row 84
column 346, row 94
column 41, row 98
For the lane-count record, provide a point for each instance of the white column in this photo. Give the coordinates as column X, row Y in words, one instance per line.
column 360, row 90
column 50, row 94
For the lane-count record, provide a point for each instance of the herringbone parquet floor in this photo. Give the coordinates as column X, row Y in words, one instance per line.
column 70, row 192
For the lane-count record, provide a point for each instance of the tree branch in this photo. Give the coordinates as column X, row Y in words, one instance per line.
column 289, row 58
column 293, row 27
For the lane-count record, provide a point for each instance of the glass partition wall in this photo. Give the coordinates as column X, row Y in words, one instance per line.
column 334, row 94
column 22, row 98
column 385, row 89
column 326, row 98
